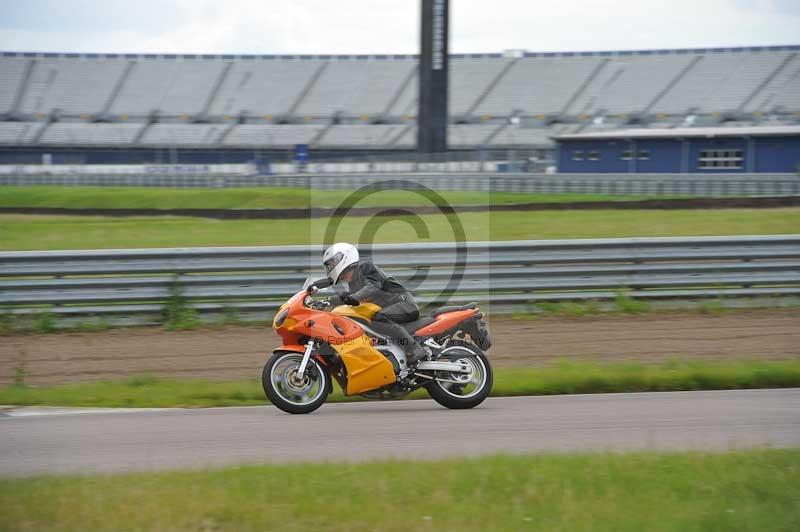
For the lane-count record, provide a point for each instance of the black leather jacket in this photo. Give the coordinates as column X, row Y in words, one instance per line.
column 373, row 285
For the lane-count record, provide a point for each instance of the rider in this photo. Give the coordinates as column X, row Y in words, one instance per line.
column 368, row 283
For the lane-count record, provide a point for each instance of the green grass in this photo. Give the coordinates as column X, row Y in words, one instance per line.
column 27, row 232
column 561, row 378
column 45, row 322
column 680, row 492
column 255, row 198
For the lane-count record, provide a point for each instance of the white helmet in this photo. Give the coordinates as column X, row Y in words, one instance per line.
column 338, row 258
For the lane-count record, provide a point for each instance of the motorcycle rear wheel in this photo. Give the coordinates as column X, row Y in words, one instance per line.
column 289, row 393
column 462, row 396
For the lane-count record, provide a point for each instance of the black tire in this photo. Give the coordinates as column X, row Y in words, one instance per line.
column 315, row 370
column 447, row 399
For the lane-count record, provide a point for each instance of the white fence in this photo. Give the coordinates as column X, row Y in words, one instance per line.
column 449, row 176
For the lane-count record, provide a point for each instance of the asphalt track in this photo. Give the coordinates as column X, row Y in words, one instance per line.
column 46, row 441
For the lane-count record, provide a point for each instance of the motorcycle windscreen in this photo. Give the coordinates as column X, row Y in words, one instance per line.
column 367, row 368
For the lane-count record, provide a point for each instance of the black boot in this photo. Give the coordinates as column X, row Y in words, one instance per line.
column 417, row 353
column 414, row 351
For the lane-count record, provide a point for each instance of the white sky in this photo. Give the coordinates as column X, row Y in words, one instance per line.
column 389, row 26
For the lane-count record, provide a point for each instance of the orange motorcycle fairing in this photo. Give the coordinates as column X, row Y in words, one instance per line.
column 328, row 327
column 294, row 348
column 445, row 322
column 298, row 322
column 367, row 368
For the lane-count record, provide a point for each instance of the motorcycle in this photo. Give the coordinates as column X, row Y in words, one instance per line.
column 323, row 342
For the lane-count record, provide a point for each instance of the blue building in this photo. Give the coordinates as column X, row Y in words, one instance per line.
column 710, row 150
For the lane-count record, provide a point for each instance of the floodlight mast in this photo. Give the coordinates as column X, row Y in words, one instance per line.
column 433, row 73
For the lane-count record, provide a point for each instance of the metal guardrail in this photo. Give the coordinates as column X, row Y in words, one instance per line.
column 134, row 285
column 697, row 185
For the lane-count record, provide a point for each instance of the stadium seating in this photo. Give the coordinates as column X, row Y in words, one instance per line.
column 365, row 102
column 469, row 135
column 263, row 87
column 183, row 134
column 79, row 134
column 370, row 136
column 469, row 78
column 719, row 82
column 536, row 85
column 282, row 136
column 19, row 132
column 70, row 86
column 781, row 91
column 627, row 84
column 12, row 71
column 515, row 137
column 408, row 139
column 171, row 87
column 356, row 88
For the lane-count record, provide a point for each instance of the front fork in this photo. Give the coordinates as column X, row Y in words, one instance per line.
column 301, row 371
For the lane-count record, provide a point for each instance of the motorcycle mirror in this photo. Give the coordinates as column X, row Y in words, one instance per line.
column 314, row 286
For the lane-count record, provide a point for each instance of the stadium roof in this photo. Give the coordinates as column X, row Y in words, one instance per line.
column 706, row 132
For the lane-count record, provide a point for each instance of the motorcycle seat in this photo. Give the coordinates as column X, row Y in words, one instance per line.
column 442, row 310
column 413, row 326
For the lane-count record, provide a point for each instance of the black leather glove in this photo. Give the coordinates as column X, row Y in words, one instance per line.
column 347, row 299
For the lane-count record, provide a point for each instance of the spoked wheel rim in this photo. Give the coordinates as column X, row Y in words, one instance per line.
column 293, row 389
column 464, row 385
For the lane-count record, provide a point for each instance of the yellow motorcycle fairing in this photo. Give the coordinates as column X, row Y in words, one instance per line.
column 367, row 368
column 364, row 311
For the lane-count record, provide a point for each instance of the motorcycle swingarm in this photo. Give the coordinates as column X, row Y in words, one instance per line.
column 436, row 365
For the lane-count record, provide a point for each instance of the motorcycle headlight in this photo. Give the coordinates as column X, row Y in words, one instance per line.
column 280, row 317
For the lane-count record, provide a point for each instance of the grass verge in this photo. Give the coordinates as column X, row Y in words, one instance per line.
column 256, row 198
column 29, row 232
column 562, row 378
column 734, row 491
column 178, row 315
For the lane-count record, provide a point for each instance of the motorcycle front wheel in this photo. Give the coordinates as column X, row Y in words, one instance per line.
column 289, row 392
column 460, row 390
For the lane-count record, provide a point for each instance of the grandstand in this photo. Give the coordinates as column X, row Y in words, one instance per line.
column 52, row 102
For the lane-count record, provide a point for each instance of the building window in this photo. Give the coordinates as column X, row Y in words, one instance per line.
column 577, row 155
column 626, row 155
column 720, row 159
column 594, row 155
column 644, row 155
